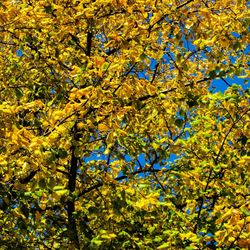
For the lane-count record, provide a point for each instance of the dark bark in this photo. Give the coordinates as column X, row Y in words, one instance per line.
column 72, row 228
column 28, row 178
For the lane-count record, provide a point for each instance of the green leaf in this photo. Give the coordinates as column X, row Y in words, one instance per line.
column 163, row 246
column 57, row 188
column 62, row 153
column 222, row 73
column 105, row 66
column 42, row 183
column 245, row 211
column 50, row 103
column 48, row 9
column 39, row 193
column 124, row 234
column 19, row 93
column 179, row 122
column 189, row 248
column 96, row 242
column 191, row 103
column 212, row 74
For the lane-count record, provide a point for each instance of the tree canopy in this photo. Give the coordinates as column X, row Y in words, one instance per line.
column 111, row 135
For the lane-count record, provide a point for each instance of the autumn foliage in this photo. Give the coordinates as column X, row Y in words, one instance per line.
column 111, row 136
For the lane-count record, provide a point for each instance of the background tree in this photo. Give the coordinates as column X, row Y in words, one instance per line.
column 97, row 98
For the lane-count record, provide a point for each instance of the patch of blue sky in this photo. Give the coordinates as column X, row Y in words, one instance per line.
column 19, row 53
column 166, row 59
column 247, row 49
column 153, row 63
column 96, row 156
column 212, row 244
column 210, row 234
column 128, row 158
column 171, row 159
column 143, row 75
column 188, row 44
column 142, row 161
column 218, row 85
column 235, row 34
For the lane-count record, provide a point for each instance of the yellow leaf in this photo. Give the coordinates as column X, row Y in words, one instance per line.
column 103, row 127
column 109, row 139
column 75, row 70
column 42, row 206
column 56, row 244
column 244, row 243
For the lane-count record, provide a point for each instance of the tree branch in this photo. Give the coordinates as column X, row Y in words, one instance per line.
column 72, row 229
column 100, row 184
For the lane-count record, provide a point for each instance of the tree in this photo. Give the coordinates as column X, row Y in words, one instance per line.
column 96, row 97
